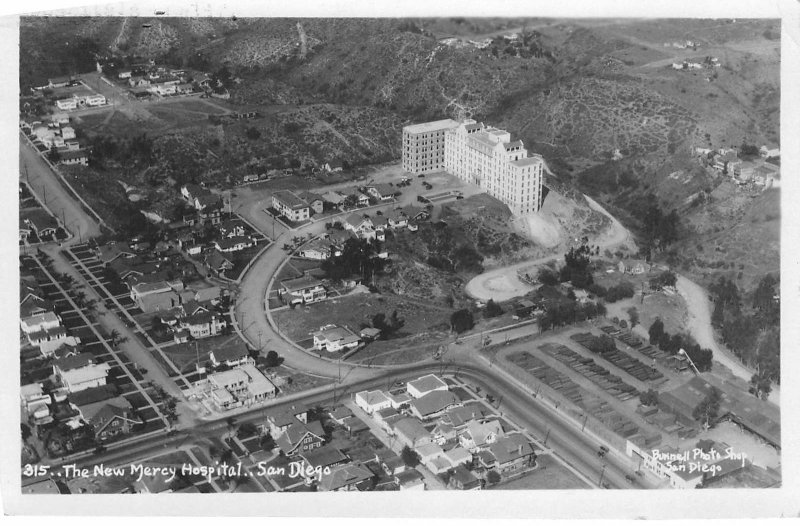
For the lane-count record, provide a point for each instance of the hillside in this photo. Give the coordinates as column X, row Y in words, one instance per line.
column 598, row 98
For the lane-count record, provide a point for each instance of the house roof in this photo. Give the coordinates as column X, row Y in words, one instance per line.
column 372, row 397
column 458, row 454
column 294, row 434
column 411, row 428
column 480, row 431
column 408, row 475
column 355, row 220
column 208, row 200
column 217, row 260
column 41, row 319
column 387, row 411
column 427, row 383
column 342, row 476
column 511, row 447
column 323, row 456
column 233, row 352
column 434, row 402
column 74, row 362
column 72, row 154
column 106, row 409
column 383, row 189
column 195, row 190
column 340, row 413
column 86, row 374
column 231, row 242
column 464, row 476
column 427, row 450
column 303, row 282
column 335, row 334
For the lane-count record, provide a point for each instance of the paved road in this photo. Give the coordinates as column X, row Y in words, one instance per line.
column 565, row 438
column 47, row 187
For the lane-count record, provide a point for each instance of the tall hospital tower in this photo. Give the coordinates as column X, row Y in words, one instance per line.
column 477, row 154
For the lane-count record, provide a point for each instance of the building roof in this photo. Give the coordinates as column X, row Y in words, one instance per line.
column 290, row 199
column 342, row 476
column 301, row 283
column 74, row 362
column 427, row 450
column 335, row 334
column 432, row 126
column 231, row 242
column 105, row 409
column 411, row 428
column 511, row 447
column 86, row 374
column 208, row 200
column 217, row 260
column 464, row 477
column 324, row 456
column 233, row 351
column 457, row 455
column 480, row 431
column 355, row 220
column 527, row 161
column 294, row 434
column 434, row 402
column 384, row 189
column 46, row 318
column 69, row 155
column 427, row 383
column 143, row 289
column 372, row 397
column 408, row 475
column 340, row 413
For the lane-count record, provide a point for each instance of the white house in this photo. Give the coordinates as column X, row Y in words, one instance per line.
column 371, row 401
column 92, row 375
column 332, row 339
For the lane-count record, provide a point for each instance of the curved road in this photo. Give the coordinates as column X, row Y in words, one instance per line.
column 502, row 283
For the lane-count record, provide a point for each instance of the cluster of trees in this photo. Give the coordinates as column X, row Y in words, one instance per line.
column 649, row 398
column 620, row 291
column 665, row 279
column 359, row 258
column 673, row 343
column 461, row 321
column 387, row 326
column 707, row 410
column 137, row 148
column 577, row 267
column 601, row 344
column 660, row 229
column 492, row 309
column 568, row 312
column 751, row 331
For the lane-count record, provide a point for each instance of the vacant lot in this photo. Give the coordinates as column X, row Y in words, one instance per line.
column 422, row 323
column 549, row 475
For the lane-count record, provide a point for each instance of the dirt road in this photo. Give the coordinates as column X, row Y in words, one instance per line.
column 501, row 284
column 699, row 325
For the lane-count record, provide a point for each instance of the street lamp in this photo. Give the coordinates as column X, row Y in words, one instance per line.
column 602, row 472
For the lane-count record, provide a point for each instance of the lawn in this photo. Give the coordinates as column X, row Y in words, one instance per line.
column 186, row 355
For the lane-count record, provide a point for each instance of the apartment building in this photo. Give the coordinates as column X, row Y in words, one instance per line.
column 480, row 155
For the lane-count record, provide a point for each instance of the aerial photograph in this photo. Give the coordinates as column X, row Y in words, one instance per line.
column 389, row 254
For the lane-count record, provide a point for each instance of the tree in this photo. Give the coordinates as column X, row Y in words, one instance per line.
column 707, row 410
column 409, row 456
column 26, row 431
column 461, row 320
column 633, row 315
column 273, row 360
column 655, row 331
column 649, row 397
column 547, row 277
column 252, row 133
column 493, row 477
column 760, row 386
column 492, row 309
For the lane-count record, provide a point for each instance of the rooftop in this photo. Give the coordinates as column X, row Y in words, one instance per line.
column 430, row 126
column 372, row 397
column 434, row 402
column 304, row 282
column 427, row 383
column 290, row 199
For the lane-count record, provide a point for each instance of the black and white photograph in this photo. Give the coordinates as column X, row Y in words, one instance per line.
column 393, row 248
